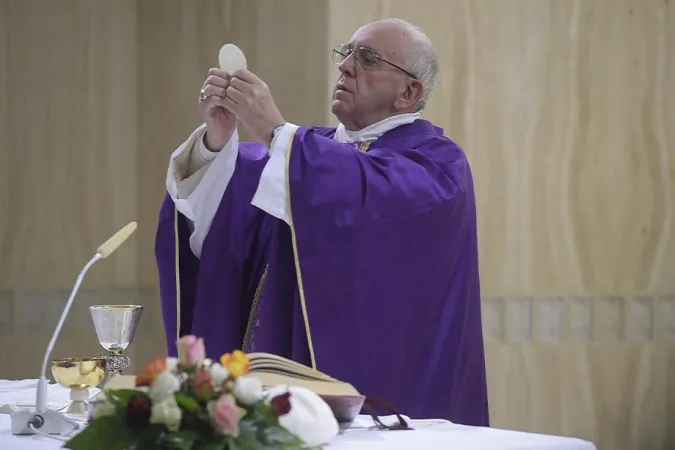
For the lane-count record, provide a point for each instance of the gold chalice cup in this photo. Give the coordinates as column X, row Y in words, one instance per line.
column 78, row 375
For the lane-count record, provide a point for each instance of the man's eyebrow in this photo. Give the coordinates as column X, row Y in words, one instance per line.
column 352, row 45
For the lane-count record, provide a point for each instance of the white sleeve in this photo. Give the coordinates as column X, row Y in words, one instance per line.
column 197, row 195
column 271, row 193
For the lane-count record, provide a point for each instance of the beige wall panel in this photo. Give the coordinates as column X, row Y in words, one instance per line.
column 69, row 151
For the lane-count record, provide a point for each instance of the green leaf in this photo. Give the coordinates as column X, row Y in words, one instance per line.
column 186, row 402
column 121, row 397
column 264, row 412
column 181, row 440
column 149, row 436
column 279, row 436
column 220, row 444
column 248, row 438
column 104, row 433
column 246, row 442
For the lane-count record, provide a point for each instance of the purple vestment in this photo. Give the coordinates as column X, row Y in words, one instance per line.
column 388, row 295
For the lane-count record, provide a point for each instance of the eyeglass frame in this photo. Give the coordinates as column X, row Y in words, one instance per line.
column 373, row 52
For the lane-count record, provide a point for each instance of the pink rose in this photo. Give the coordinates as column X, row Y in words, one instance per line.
column 190, row 350
column 225, row 415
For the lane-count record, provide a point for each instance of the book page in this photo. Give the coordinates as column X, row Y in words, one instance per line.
column 323, row 388
column 273, row 363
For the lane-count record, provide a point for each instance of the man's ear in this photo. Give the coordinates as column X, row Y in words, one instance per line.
column 411, row 95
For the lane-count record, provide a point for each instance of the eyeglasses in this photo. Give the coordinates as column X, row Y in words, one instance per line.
column 364, row 56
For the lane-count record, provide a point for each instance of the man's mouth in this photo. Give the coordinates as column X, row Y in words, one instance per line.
column 341, row 87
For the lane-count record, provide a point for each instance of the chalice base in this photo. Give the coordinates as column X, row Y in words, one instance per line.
column 79, row 397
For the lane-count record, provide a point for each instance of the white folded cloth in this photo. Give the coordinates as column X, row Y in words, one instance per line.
column 310, row 417
column 14, row 385
column 20, row 394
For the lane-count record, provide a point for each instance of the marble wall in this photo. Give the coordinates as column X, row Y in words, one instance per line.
column 564, row 108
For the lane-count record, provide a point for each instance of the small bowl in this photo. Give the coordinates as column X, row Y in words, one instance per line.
column 79, row 373
column 345, row 408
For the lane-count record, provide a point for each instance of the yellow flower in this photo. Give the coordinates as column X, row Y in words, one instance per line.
column 236, row 363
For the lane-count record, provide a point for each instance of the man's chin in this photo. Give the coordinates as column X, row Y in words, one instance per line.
column 338, row 108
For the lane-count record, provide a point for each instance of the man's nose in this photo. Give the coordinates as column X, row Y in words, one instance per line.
column 348, row 66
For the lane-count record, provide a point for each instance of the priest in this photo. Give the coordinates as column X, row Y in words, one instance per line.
column 352, row 249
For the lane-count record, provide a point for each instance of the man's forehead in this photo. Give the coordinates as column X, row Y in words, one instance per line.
column 380, row 37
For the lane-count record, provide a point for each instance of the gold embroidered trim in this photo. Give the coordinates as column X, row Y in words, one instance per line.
column 177, row 244
column 363, row 147
column 247, row 345
column 298, row 272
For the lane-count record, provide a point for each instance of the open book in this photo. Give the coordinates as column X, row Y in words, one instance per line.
column 273, row 370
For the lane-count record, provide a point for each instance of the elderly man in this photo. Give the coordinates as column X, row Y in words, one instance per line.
column 352, row 250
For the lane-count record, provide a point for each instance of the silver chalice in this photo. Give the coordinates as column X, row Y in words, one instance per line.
column 115, row 328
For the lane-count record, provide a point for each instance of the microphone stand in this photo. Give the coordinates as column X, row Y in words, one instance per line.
column 51, row 422
column 45, row 421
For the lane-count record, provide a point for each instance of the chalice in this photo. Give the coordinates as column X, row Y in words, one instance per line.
column 78, row 375
column 115, row 328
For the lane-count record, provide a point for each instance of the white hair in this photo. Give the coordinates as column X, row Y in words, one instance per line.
column 420, row 60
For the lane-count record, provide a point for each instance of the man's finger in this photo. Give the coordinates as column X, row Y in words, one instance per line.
column 235, row 94
column 241, row 85
column 218, row 72
column 231, row 106
column 214, row 102
column 247, row 76
column 215, row 80
column 211, row 90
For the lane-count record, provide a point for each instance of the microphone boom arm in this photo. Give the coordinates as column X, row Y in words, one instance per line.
column 41, row 398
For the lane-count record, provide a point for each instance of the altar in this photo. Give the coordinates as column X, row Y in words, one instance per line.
column 426, row 434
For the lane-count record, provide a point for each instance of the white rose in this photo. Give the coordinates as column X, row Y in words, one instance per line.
column 218, row 374
column 168, row 413
column 165, row 385
column 207, row 362
column 104, row 409
column 171, row 364
column 248, row 390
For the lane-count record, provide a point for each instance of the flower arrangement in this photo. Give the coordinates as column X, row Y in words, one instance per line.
column 190, row 403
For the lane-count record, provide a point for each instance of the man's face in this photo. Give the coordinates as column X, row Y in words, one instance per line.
column 368, row 89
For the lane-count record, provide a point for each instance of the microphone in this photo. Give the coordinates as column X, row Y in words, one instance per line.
column 27, row 422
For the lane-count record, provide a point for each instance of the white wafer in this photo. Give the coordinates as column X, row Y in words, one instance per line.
column 231, row 58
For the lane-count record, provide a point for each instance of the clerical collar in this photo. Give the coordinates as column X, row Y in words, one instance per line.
column 374, row 131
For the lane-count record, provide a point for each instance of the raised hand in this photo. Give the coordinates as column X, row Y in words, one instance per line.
column 250, row 99
column 220, row 121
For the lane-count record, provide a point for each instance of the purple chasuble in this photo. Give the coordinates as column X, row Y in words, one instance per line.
column 375, row 282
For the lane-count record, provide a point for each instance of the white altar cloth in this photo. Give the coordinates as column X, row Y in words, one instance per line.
column 427, row 434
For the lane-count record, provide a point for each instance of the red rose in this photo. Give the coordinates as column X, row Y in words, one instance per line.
column 137, row 414
column 281, row 404
column 190, row 419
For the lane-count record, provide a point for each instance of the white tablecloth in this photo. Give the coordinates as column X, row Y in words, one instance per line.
column 427, row 435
